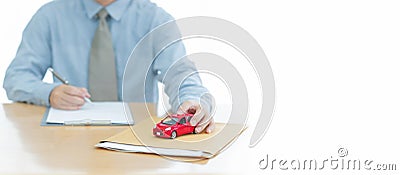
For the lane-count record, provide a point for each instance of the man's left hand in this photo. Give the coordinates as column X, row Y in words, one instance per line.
column 201, row 117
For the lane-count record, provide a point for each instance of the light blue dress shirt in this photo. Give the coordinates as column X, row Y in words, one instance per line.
column 59, row 35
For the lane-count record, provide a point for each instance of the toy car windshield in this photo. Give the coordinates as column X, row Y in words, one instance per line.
column 170, row 120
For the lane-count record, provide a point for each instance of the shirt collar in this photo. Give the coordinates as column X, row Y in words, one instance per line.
column 115, row 9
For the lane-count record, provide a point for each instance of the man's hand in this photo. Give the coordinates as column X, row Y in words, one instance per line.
column 68, row 97
column 201, row 117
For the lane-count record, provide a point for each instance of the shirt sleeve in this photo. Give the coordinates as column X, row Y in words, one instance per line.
column 23, row 79
column 178, row 74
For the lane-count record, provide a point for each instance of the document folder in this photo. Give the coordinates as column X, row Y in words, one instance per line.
column 201, row 145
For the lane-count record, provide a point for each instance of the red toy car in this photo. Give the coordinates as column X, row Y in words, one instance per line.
column 173, row 126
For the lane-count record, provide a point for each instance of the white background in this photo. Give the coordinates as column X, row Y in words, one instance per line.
column 336, row 67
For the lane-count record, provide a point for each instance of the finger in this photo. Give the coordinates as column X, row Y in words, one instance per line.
column 197, row 116
column 203, row 124
column 73, row 100
column 69, row 100
column 76, row 95
column 211, row 126
column 85, row 92
column 74, row 91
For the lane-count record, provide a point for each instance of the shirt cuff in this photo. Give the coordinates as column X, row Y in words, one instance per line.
column 43, row 93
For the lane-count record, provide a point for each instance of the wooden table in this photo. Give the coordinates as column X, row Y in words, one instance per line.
column 28, row 148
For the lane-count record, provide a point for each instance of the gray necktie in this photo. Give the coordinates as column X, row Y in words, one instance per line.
column 102, row 74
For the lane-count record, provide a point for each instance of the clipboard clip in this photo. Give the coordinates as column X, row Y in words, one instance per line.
column 87, row 122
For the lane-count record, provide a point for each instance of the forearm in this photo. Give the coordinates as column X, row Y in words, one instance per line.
column 183, row 83
column 22, row 87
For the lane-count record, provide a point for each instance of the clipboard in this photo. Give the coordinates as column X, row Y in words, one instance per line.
column 82, row 117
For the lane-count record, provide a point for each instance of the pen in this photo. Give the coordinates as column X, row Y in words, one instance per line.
column 64, row 81
column 58, row 76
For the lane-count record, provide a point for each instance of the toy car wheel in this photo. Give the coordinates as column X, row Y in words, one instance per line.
column 194, row 131
column 173, row 134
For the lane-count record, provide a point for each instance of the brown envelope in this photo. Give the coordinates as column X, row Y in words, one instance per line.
column 209, row 144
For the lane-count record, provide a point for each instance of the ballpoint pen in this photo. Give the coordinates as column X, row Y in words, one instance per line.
column 64, row 81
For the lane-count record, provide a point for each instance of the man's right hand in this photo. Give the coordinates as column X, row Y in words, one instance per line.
column 68, row 97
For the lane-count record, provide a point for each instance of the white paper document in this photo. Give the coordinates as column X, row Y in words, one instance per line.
column 95, row 113
column 148, row 149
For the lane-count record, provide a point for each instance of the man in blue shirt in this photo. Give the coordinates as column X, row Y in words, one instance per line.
column 60, row 35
